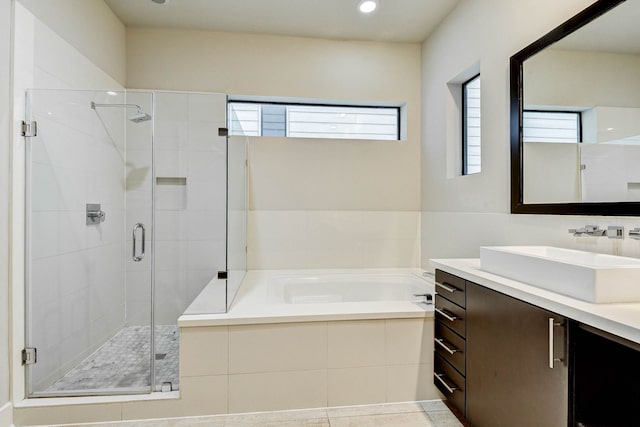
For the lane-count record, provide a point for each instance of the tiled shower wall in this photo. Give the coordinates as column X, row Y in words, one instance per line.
column 190, row 203
column 77, row 274
column 76, row 304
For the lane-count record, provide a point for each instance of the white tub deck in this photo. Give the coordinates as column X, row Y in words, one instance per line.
column 260, row 300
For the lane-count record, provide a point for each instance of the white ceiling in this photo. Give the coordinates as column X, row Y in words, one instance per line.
column 394, row 20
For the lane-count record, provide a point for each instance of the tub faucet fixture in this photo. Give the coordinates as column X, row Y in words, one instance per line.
column 428, row 298
column 588, row 230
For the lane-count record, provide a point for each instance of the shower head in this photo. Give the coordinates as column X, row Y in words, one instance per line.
column 139, row 117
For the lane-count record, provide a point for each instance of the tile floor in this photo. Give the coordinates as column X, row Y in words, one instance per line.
column 430, row 413
column 123, row 362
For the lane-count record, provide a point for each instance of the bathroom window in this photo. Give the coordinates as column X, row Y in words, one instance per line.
column 551, row 126
column 313, row 121
column 471, row 136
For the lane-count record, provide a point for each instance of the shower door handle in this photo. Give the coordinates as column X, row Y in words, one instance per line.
column 138, row 226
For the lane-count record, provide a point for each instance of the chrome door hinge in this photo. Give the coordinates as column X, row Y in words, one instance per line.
column 29, row 128
column 222, row 275
column 29, row 356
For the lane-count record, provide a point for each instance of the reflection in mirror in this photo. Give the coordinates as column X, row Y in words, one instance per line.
column 579, row 115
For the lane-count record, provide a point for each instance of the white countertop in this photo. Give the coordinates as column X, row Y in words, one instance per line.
column 622, row 320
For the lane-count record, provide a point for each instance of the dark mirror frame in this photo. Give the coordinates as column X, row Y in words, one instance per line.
column 518, row 206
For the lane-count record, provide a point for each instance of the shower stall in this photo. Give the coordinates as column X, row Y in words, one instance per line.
column 135, row 202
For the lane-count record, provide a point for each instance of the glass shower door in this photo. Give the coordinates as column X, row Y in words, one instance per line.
column 89, row 260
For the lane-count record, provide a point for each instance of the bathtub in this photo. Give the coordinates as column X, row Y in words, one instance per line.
column 320, row 337
column 329, row 288
column 276, row 296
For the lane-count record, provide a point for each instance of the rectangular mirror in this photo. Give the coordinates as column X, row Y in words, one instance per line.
column 575, row 116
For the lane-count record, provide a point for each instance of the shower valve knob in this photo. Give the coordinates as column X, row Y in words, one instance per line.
column 94, row 214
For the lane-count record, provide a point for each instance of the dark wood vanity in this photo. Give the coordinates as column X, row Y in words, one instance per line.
column 501, row 361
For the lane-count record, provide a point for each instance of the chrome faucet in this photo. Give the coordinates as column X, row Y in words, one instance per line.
column 428, row 298
column 588, row 230
column 612, row 232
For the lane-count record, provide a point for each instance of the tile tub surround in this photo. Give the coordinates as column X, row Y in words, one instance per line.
column 311, row 364
column 6, row 415
column 288, row 239
column 316, row 355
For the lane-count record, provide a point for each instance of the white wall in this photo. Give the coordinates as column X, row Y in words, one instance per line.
column 90, row 27
column 45, row 60
column 5, row 117
column 462, row 213
column 307, row 192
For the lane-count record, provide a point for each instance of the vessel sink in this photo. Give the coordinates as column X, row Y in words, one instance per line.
column 588, row 276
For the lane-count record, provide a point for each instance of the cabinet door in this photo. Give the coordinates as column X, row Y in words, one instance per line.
column 509, row 381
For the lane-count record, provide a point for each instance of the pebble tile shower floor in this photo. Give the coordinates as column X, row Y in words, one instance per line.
column 123, row 362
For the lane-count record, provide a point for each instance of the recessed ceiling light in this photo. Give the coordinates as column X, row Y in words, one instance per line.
column 160, row 1
column 367, row 6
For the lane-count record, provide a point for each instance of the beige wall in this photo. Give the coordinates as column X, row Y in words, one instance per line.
column 268, row 65
column 5, row 114
column 552, row 172
column 331, row 174
column 249, row 64
column 565, row 78
column 461, row 213
column 90, row 27
column 506, row 27
column 290, row 177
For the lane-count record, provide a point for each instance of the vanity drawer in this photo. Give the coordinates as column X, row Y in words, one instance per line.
column 451, row 287
column 450, row 346
column 451, row 315
column 450, row 383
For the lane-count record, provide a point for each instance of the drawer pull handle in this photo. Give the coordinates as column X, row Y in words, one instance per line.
column 449, row 317
column 447, row 386
column 442, row 344
column 445, row 287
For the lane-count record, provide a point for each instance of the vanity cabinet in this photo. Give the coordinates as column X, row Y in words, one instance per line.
column 504, row 361
column 517, row 367
column 606, row 372
column 450, row 340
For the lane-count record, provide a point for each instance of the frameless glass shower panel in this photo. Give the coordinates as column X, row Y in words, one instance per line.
column 77, row 237
column 190, row 215
column 236, row 215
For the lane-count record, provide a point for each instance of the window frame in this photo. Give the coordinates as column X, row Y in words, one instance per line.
column 398, row 110
column 465, row 141
column 576, row 112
